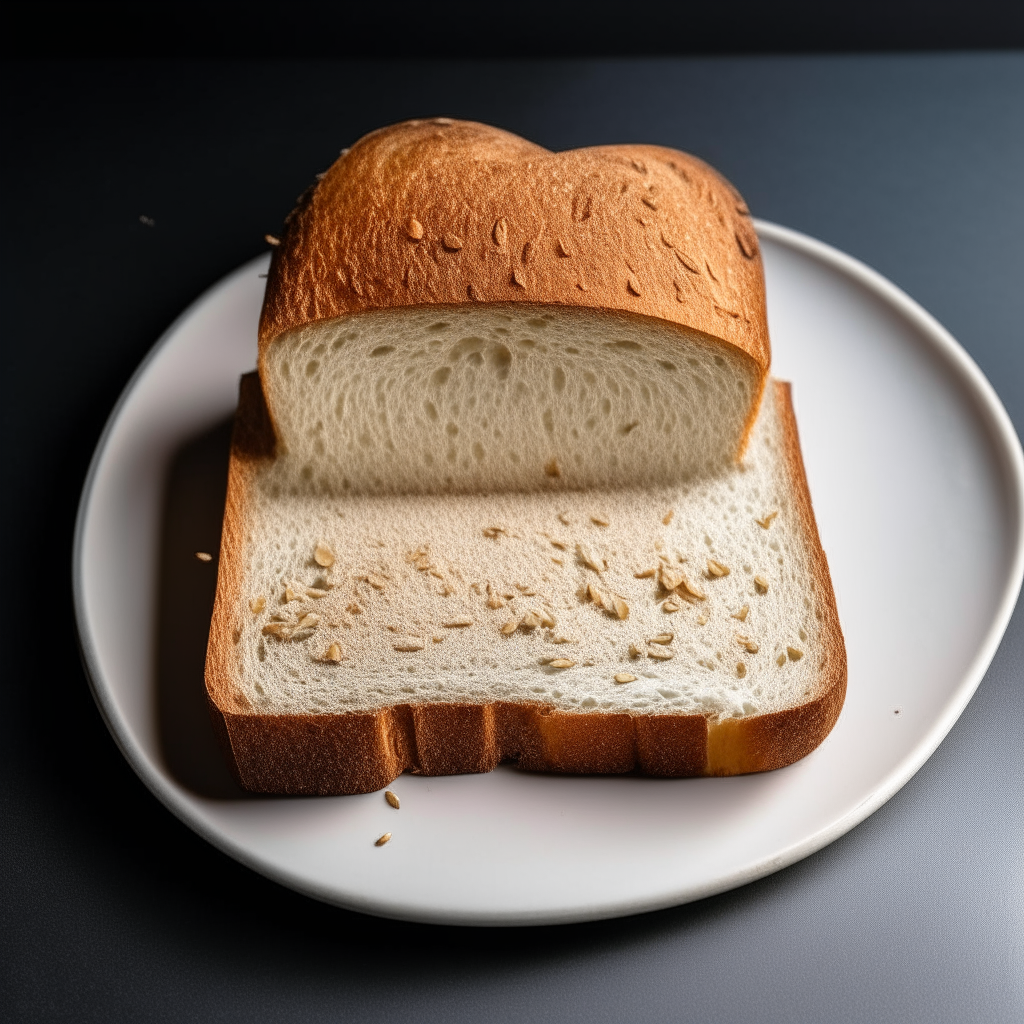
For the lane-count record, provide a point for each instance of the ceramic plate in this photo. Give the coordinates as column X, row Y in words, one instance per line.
column 917, row 481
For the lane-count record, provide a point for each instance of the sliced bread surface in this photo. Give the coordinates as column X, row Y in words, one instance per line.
column 682, row 629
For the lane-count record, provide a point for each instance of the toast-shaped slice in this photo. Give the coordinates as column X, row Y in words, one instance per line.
column 678, row 630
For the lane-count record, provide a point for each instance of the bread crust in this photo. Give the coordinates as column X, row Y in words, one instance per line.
column 361, row 752
column 443, row 212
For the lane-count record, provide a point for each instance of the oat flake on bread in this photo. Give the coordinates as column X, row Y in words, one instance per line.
column 473, row 353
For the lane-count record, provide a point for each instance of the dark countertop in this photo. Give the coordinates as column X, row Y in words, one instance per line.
column 110, row 908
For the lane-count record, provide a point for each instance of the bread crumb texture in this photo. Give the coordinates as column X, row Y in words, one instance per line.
column 513, row 397
column 456, row 598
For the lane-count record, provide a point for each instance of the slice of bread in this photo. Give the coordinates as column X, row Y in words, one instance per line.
column 671, row 629
column 502, row 489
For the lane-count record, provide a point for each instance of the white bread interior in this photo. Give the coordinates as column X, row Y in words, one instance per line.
column 502, row 398
column 420, row 586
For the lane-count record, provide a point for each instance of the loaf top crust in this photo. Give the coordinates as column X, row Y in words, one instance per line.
column 441, row 212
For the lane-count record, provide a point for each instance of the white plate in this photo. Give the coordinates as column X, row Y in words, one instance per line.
column 918, row 484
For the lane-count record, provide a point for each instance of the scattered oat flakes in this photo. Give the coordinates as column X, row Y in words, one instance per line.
column 635, row 652
column 309, row 621
column 438, row 639
column 333, row 653
column 257, row 604
column 531, row 620
column 670, row 605
column 660, row 653
column 747, row 644
column 702, row 620
column 667, row 517
column 741, row 670
column 795, row 654
column 354, row 608
column 494, row 532
column 590, row 559
column 409, row 645
column 766, row 521
column 561, row 663
column 621, row 608
column 646, row 574
column 760, row 584
column 662, row 638
column 316, row 593
column 462, row 620
column 599, row 520
column 716, row 570
column 670, row 578
column 294, row 592
column 510, row 627
column 204, row 556
column 742, row 613
column 392, row 799
column 780, row 660
column 375, row 581
column 624, row 677
column 323, row 555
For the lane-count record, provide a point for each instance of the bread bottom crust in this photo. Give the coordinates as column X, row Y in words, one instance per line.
column 354, row 752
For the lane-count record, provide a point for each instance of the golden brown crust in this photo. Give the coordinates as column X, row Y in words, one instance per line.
column 361, row 752
column 444, row 212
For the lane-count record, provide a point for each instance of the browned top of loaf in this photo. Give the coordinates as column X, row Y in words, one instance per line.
column 452, row 212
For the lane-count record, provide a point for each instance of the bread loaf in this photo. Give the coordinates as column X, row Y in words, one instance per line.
column 505, row 487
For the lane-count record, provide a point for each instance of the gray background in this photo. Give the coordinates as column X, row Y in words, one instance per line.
column 112, row 910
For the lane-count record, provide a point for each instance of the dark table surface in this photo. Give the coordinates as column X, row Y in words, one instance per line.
column 110, row 908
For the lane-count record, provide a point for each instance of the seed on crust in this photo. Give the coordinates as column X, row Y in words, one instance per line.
column 323, row 555
column 795, row 654
column 624, row 677
column 741, row 670
column 462, row 620
column 742, row 613
column 561, row 663
column 662, row 638
column 667, row 517
column 646, row 574
column 333, row 653
column 716, row 570
column 452, row 242
column 510, row 627
column 766, row 521
column 410, row 644
column 660, row 653
column 386, row 838
column 589, row 558
column 599, row 520
column 414, row 229
column 392, row 799
column 204, row 556
column 257, row 604
column 760, row 584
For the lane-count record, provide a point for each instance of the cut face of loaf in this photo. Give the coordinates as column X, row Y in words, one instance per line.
column 509, row 397
column 682, row 629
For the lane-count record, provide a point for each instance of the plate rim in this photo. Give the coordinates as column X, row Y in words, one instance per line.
column 1003, row 438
